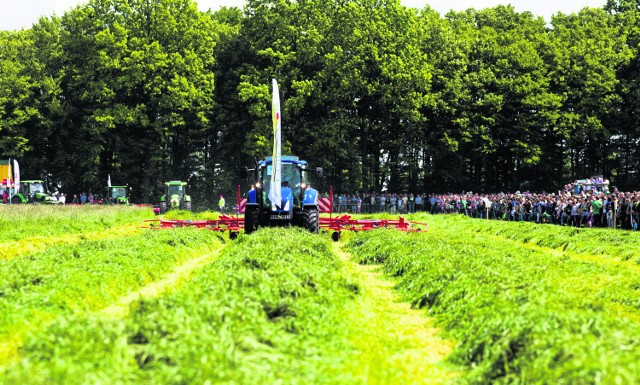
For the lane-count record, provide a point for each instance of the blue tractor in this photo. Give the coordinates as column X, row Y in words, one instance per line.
column 299, row 206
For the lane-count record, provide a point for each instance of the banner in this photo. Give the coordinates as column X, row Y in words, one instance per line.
column 16, row 174
column 275, row 195
column 9, row 176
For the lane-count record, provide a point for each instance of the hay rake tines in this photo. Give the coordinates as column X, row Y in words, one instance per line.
column 225, row 223
column 345, row 222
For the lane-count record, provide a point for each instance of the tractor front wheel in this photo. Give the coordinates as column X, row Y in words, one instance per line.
column 16, row 200
column 163, row 207
column 251, row 219
column 310, row 220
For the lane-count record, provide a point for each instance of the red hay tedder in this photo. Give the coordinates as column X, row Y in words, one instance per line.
column 281, row 195
column 333, row 224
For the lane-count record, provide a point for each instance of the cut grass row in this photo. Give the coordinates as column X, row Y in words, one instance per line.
column 520, row 315
column 268, row 310
column 616, row 245
column 63, row 280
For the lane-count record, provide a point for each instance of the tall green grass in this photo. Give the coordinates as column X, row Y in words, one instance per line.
column 269, row 310
column 521, row 315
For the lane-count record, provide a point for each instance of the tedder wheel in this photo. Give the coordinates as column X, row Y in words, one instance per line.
column 251, row 220
column 233, row 235
column 335, row 236
column 310, row 220
column 163, row 207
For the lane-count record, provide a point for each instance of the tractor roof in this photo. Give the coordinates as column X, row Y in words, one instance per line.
column 32, row 181
column 117, row 186
column 284, row 159
column 175, row 183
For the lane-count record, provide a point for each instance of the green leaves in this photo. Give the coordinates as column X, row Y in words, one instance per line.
column 376, row 93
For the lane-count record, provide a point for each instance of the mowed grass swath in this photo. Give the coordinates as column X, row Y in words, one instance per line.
column 523, row 303
column 89, row 274
column 267, row 311
column 520, row 314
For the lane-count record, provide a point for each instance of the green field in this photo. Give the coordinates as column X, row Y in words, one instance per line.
column 87, row 296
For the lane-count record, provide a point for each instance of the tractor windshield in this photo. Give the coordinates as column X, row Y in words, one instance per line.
column 175, row 190
column 118, row 192
column 291, row 177
column 36, row 187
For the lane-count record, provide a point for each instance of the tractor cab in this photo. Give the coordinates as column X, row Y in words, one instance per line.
column 175, row 197
column 119, row 195
column 293, row 177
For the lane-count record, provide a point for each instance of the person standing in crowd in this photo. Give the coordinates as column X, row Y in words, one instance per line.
column 596, row 211
column 75, row 200
column 419, row 203
column 412, row 204
column 636, row 211
column 63, row 199
column 405, row 203
column 83, row 198
column 625, row 213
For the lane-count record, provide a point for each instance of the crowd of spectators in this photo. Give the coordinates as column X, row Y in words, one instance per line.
column 572, row 207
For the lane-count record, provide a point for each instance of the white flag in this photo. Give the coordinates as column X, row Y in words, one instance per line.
column 275, row 195
column 16, row 174
column 108, row 180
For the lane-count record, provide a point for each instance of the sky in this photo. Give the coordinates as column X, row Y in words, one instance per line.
column 19, row 14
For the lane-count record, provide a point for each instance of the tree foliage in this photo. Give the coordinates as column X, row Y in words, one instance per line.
column 378, row 94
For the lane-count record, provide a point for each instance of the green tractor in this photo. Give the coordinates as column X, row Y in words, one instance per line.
column 33, row 191
column 119, row 195
column 175, row 197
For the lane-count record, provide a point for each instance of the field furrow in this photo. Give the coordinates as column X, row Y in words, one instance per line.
column 519, row 314
column 394, row 343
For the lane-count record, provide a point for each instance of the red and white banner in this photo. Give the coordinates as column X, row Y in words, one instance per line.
column 324, row 205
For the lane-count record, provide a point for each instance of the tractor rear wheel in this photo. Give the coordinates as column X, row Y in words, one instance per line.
column 310, row 220
column 186, row 206
column 251, row 219
column 163, row 207
column 16, row 200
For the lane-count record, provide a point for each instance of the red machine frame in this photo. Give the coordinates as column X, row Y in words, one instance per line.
column 335, row 224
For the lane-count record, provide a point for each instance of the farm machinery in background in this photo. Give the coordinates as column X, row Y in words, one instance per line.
column 282, row 196
column 118, row 195
column 175, row 197
column 33, row 191
column 17, row 191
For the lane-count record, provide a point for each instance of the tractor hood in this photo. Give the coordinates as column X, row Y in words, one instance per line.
column 47, row 199
column 287, row 201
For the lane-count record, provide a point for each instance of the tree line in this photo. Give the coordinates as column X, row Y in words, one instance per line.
column 378, row 94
